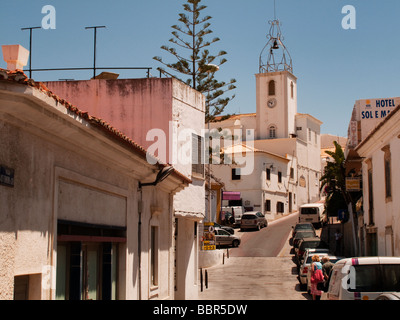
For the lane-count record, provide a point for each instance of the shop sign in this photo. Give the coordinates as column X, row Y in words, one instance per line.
column 353, row 184
column 208, row 240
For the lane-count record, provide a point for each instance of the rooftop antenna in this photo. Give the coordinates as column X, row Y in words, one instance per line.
column 30, row 47
column 94, row 45
column 94, row 68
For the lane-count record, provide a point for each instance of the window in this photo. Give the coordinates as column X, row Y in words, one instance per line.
column 272, row 132
column 271, row 88
column 279, row 177
column 87, row 270
column 154, row 256
column 375, row 278
column 280, row 207
column 198, row 155
column 268, row 205
column 21, row 287
column 236, row 174
column 291, row 173
column 309, row 210
column 388, row 175
column 291, row 89
column 268, row 173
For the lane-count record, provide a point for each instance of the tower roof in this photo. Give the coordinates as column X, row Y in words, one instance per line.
column 275, row 56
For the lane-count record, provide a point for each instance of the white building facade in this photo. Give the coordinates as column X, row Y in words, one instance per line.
column 277, row 128
column 380, row 150
column 266, row 188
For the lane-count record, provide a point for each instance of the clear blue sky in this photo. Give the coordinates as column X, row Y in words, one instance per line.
column 334, row 66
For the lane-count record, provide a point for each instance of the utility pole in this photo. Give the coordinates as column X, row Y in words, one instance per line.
column 94, row 46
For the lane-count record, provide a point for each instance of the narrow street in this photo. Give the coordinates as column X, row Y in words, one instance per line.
column 260, row 269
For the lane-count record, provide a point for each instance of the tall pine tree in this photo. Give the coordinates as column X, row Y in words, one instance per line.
column 194, row 61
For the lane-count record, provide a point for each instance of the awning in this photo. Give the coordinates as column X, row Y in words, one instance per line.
column 230, row 195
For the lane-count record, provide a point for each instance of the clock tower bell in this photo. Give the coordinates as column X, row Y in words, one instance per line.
column 276, row 89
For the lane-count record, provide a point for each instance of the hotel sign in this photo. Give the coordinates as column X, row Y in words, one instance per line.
column 377, row 109
column 367, row 114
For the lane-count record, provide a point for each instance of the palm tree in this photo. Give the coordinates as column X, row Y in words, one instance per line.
column 334, row 181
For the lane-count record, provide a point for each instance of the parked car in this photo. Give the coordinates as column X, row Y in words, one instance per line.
column 300, row 235
column 308, row 243
column 302, row 226
column 253, row 220
column 232, row 215
column 312, row 251
column 389, row 296
column 226, row 228
column 363, row 278
column 224, row 238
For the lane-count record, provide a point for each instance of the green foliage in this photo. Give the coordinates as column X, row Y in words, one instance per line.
column 334, row 181
column 194, row 62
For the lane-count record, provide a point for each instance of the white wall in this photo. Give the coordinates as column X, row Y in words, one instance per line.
column 386, row 211
column 254, row 188
column 66, row 169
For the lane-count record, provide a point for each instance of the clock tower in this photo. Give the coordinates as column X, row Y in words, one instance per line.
column 276, row 89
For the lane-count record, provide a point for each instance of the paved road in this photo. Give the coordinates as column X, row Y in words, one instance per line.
column 267, row 242
column 260, row 269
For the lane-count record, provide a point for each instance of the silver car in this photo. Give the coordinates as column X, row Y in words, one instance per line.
column 253, row 220
column 224, row 238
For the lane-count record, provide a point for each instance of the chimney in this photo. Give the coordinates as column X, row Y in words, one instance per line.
column 16, row 56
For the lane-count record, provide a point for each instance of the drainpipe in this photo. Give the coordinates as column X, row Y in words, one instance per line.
column 140, row 206
column 162, row 175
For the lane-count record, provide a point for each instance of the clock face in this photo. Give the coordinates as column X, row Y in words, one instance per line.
column 272, row 103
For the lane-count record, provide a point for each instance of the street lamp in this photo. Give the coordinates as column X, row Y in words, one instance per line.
column 161, row 176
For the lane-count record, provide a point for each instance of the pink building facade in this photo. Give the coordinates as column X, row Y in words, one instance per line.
column 164, row 116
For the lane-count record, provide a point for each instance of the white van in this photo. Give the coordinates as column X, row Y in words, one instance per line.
column 236, row 212
column 363, row 278
column 313, row 213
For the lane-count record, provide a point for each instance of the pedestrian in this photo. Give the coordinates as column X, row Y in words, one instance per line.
column 222, row 215
column 316, row 277
column 326, row 267
column 338, row 240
